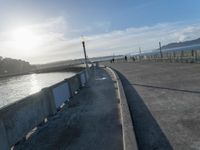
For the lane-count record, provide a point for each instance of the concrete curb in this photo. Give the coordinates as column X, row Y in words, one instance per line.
column 129, row 139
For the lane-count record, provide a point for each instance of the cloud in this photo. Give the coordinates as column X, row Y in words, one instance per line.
column 130, row 39
column 58, row 44
column 96, row 27
column 49, row 35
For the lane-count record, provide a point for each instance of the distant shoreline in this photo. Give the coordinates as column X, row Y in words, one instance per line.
column 46, row 70
column 12, row 75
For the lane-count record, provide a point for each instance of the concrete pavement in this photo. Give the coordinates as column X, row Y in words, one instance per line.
column 164, row 99
column 90, row 121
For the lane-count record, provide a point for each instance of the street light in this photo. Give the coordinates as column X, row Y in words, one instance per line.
column 161, row 55
column 85, row 54
column 140, row 52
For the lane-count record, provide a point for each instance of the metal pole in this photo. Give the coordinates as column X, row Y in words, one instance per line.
column 86, row 61
column 161, row 55
column 140, row 53
column 84, row 50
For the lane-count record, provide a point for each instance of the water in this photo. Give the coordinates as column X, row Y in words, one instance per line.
column 18, row 87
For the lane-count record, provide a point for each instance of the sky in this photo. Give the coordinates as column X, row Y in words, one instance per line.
column 42, row 31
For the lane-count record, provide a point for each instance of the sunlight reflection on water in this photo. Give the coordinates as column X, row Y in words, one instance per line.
column 18, row 87
column 35, row 87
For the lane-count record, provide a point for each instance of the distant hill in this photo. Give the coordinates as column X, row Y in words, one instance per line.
column 9, row 66
column 182, row 44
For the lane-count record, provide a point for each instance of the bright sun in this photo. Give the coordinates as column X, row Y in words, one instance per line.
column 25, row 40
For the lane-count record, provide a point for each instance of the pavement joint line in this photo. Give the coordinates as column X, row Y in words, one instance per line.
column 165, row 88
column 129, row 138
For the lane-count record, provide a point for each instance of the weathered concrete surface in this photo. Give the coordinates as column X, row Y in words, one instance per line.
column 129, row 139
column 3, row 137
column 90, row 121
column 74, row 83
column 20, row 117
column 164, row 99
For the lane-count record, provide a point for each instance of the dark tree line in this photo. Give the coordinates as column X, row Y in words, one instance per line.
column 9, row 66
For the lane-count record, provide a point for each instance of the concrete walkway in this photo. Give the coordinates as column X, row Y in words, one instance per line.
column 164, row 99
column 90, row 121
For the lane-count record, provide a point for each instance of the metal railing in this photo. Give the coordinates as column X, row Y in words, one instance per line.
column 184, row 56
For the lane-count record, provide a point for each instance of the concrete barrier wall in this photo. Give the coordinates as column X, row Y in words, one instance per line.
column 61, row 93
column 19, row 118
column 3, row 137
column 83, row 78
column 74, row 83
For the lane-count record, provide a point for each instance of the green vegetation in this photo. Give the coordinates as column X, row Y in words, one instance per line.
column 9, row 66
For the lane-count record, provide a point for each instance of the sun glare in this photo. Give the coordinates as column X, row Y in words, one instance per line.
column 25, row 40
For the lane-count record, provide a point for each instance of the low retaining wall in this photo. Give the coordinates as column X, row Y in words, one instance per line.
column 129, row 138
column 19, row 118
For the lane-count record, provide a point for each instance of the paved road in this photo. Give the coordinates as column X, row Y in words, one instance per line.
column 90, row 121
column 164, row 99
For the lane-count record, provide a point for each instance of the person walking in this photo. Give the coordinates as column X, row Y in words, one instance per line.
column 125, row 58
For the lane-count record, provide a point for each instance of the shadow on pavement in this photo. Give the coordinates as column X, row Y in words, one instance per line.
column 148, row 133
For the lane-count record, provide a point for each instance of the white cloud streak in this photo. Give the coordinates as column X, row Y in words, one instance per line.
column 56, row 43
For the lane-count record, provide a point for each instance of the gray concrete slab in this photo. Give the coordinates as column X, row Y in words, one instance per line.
column 164, row 99
column 90, row 121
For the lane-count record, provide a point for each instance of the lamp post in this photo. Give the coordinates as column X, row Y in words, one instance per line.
column 140, row 52
column 85, row 55
column 161, row 55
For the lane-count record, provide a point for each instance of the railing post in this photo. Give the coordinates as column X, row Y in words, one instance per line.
column 193, row 57
column 196, row 56
column 182, row 54
column 174, row 55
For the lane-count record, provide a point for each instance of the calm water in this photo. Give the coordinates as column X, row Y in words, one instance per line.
column 15, row 88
